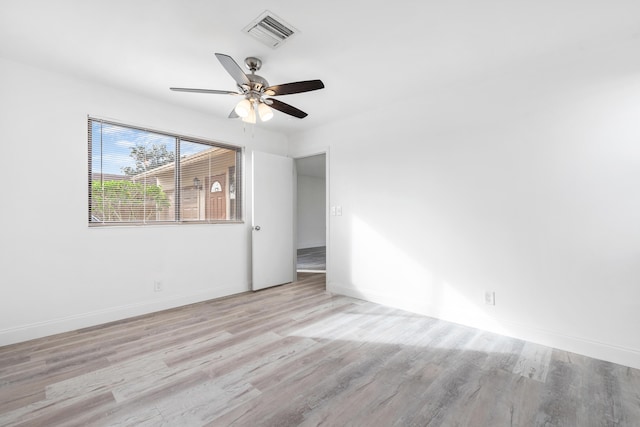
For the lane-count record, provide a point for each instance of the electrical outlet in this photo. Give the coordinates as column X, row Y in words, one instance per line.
column 489, row 297
column 157, row 286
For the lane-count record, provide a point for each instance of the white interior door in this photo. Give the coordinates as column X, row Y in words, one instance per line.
column 272, row 220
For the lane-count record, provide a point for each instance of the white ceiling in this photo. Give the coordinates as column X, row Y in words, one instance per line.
column 369, row 54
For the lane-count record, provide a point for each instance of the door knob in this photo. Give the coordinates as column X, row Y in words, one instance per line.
column 257, row 228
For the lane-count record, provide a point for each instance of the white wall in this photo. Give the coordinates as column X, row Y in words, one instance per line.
column 311, row 204
column 524, row 183
column 57, row 274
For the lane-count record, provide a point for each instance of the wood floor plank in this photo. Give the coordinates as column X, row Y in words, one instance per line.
column 311, row 388
column 533, row 362
column 59, row 413
column 18, row 397
column 296, row 355
column 602, row 393
column 205, row 355
column 263, row 361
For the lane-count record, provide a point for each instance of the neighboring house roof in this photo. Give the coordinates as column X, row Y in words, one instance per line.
column 186, row 161
column 97, row 176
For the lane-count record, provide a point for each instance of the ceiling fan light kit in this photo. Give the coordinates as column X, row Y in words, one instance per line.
column 265, row 112
column 256, row 91
column 243, row 108
column 250, row 117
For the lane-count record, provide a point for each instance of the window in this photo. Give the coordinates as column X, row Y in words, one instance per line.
column 139, row 176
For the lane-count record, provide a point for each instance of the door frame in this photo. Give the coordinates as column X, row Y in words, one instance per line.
column 300, row 155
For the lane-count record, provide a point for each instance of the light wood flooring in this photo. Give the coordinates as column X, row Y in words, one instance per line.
column 298, row 356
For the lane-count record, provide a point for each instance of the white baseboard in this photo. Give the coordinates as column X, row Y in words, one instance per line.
column 78, row 321
column 580, row 345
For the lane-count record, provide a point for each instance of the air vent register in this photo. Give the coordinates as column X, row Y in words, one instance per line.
column 270, row 29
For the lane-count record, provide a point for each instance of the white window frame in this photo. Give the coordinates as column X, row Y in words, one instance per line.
column 236, row 197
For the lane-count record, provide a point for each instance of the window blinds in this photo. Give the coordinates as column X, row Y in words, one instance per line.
column 140, row 176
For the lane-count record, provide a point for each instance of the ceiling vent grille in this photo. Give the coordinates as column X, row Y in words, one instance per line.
column 270, row 29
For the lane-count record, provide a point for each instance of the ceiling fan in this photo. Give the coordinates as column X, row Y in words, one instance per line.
column 256, row 91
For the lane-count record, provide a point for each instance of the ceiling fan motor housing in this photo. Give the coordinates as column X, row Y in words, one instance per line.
column 257, row 82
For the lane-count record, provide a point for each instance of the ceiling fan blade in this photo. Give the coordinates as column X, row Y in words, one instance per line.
column 233, row 114
column 295, row 87
column 220, row 92
column 287, row 109
column 234, row 69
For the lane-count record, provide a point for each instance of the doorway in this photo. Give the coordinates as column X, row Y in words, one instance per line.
column 311, row 208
